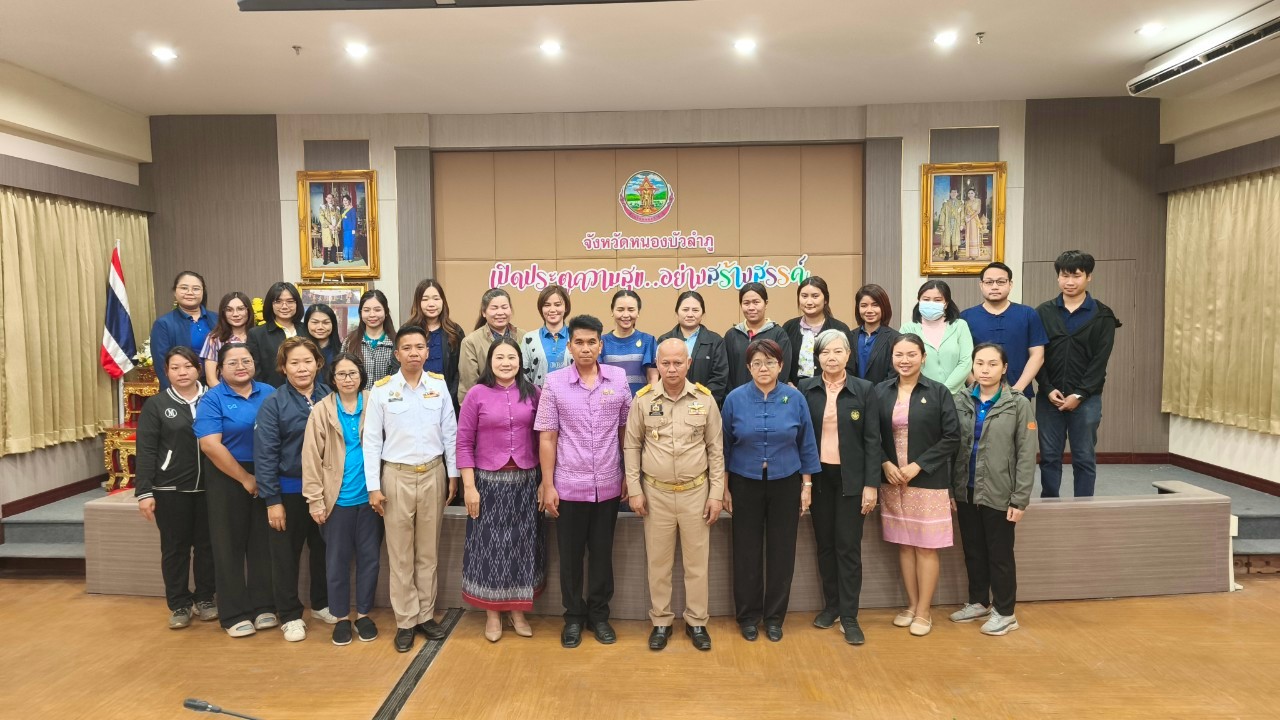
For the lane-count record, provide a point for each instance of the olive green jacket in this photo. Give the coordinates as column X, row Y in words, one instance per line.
column 1006, row 464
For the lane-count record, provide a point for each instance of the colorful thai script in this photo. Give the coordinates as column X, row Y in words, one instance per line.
column 725, row 275
column 677, row 240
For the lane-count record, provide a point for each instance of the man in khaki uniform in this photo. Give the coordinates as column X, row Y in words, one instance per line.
column 674, row 457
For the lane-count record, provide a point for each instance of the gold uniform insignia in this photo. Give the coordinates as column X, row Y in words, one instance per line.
column 644, row 390
column 435, row 375
column 430, row 394
column 702, row 388
column 383, row 381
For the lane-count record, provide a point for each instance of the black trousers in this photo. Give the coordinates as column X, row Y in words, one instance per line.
column 183, row 521
column 286, row 553
column 353, row 532
column 988, row 554
column 586, row 528
column 837, row 531
column 766, row 517
column 241, row 562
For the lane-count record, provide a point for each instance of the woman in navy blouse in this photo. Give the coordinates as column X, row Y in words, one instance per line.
column 237, row 516
column 770, row 456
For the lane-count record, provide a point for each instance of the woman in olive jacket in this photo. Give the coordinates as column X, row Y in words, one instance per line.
column 992, row 475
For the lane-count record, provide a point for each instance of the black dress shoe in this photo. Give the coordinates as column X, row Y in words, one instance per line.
column 698, row 634
column 826, row 618
column 750, row 632
column 432, row 630
column 852, row 633
column 658, row 638
column 604, row 632
column 773, row 631
column 404, row 639
column 571, row 636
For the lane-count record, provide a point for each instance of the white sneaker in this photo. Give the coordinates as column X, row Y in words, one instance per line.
column 999, row 624
column 244, row 628
column 265, row 621
column 324, row 616
column 970, row 612
column 294, row 631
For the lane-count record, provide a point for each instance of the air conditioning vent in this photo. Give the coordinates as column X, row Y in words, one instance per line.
column 1222, row 57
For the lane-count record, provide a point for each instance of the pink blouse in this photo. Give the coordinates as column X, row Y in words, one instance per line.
column 495, row 428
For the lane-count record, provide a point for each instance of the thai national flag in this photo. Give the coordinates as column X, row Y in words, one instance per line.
column 118, row 346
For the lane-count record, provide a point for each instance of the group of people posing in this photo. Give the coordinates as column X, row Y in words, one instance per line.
column 267, row 438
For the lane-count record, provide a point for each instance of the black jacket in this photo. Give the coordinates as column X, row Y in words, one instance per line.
column 710, row 363
column 857, row 426
column 169, row 457
column 933, row 430
column 264, row 343
column 735, row 349
column 792, row 328
column 880, row 364
column 1076, row 362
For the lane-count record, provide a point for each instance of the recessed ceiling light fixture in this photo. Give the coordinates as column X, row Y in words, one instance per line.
column 945, row 39
column 744, row 46
column 164, row 54
column 357, row 50
column 550, row 47
column 1150, row 29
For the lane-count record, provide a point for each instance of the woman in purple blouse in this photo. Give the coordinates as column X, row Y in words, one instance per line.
column 504, row 561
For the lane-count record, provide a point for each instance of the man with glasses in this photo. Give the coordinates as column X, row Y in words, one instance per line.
column 1014, row 326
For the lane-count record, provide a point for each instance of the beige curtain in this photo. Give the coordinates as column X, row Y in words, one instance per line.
column 54, row 255
column 1222, row 308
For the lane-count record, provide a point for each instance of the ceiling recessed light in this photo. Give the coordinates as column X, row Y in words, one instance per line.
column 1151, row 28
column 744, row 46
column 164, row 54
column 357, row 50
column 550, row 47
column 946, row 39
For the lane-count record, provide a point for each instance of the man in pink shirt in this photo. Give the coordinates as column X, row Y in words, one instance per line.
column 581, row 417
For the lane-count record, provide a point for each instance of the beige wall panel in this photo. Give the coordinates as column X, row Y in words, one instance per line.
column 524, row 201
column 722, row 309
column 465, row 281
column 464, row 206
column 831, row 199
column 706, row 198
column 769, row 193
column 585, row 200
column 843, row 274
column 591, row 302
column 657, row 316
column 662, row 161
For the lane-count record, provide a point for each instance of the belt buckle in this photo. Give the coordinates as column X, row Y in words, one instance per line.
column 420, row 468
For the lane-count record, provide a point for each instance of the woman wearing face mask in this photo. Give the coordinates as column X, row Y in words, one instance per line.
column 493, row 324
column 709, row 365
column 320, row 325
column 280, row 308
column 992, row 473
column 870, row 343
column 374, row 338
column 753, row 300
column 444, row 336
column 187, row 325
column 936, row 320
column 919, row 434
column 814, row 301
column 233, row 326
column 628, row 348
column 547, row 349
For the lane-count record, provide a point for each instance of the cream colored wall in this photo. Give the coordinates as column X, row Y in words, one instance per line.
column 1245, row 451
column 49, row 468
column 1199, row 127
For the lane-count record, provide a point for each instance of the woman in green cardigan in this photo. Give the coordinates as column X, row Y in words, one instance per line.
column 936, row 319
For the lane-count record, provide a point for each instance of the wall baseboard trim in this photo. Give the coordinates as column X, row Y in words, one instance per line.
column 32, row 502
column 1232, row 476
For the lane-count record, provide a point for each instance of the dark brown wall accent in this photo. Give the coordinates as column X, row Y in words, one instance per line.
column 335, row 154
column 52, row 180
column 1091, row 170
column 215, row 184
column 957, row 145
column 413, row 218
column 1251, row 158
column 882, row 232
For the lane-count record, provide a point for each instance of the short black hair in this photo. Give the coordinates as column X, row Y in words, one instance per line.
column 691, row 294
column 185, row 353
column 204, row 287
column 590, row 323
column 408, row 330
column 333, row 367
column 755, row 287
column 912, row 338
column 995, row 266
column 1004, row 356
column 952, row 311
column 1073, row 260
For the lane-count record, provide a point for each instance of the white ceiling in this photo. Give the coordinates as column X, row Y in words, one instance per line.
column 675, row 55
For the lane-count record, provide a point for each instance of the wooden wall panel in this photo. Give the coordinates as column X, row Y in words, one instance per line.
column 52, row 180
column 335, row 154
column 830, row 222
column 705, row 204
column 524, row 201
column 465, row 219
column 663, row 161
column 769, row 191
column 413, row 215
column 882, row 217
column 591, row 302
column 1251, row 158
column 586, row 199
column 835, row 269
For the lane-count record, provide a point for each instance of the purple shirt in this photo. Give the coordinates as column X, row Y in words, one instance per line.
column 588, row 452
column 495, row 427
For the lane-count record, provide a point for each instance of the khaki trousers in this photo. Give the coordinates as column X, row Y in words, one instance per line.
column 414, row 514
column 673, row 514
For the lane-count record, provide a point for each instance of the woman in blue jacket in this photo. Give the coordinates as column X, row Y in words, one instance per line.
column 187, row 325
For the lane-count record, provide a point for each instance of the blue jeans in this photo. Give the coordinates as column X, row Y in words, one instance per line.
column 1055, row 428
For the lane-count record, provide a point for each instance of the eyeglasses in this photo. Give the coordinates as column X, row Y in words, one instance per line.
column 996, row 283
column 247, row 363
column 189, row 288
column 763, row 365
column 349, row 375
column 284, row 301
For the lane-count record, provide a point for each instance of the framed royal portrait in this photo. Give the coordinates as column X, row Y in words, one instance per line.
column 962, row 215
column 338, row 224
column 343, row 298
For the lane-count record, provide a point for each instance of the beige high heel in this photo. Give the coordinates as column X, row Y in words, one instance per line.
column 493, row 636
column 526, row 631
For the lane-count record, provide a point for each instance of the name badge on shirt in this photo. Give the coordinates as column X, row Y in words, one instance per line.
column 607, row 392
column 655, row 410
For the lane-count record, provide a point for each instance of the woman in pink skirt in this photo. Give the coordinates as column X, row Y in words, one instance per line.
column 919, row 434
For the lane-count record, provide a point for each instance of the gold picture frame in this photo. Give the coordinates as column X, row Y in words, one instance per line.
column 962, row 217
column 343, row 298
column 337, row 240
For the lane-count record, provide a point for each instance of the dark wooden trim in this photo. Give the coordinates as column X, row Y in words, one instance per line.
column 1251, row 158
column 38, row 567
column 32, row 502
column 1120, row 458
column 52, row 180
column 1232, row 476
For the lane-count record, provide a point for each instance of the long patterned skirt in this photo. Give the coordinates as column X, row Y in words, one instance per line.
column 504, row 562
column 914, row 516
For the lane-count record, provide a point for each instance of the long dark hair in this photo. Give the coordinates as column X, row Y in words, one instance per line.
column 273, row 294
column 352, row 345
column 332, row 342
column 222, row 330
column 487, row 298
column 488, row 379
column 952, row 311
column 452, row 330
column 814, row 281
column 879, row 297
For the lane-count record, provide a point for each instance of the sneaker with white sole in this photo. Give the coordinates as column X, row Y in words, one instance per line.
column 324, row 616
column 970, row 612
column 180, row 618
column 294, row 631
column 265, row 621
column 206, row 610
column 999, row 624
column 244, row 628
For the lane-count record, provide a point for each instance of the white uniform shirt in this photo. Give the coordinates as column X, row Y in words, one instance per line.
column 408, row 425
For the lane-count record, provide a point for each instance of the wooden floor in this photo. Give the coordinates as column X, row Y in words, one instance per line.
column 65, row 654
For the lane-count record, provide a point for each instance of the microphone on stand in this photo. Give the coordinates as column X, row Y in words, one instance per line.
column 203, row 706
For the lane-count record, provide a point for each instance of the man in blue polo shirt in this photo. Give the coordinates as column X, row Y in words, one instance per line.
column 1014, row 326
